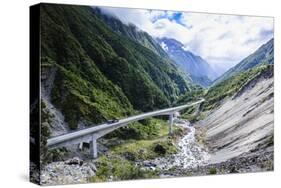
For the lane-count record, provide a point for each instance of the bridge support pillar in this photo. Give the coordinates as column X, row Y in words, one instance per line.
column 171, row 121
column 94, row 147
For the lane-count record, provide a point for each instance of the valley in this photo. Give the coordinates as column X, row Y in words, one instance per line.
column 96, row 70
column 235, row 137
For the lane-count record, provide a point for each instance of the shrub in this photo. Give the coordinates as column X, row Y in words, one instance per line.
column 212, row 170
column 117, row 168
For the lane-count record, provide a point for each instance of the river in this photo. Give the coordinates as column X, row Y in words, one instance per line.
column 190, row 154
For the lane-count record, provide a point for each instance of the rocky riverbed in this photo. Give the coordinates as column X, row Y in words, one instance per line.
column 190, row 154
column 69, row 172
column 245, row 163
column 191, row 159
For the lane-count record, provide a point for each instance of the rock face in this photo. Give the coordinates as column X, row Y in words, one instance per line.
column 59, row 126
column 242, row 124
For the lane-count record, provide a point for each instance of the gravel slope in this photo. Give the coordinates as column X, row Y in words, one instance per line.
column 243, row 124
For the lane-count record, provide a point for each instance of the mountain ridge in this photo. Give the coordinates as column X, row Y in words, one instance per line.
column 263, row 55
column 131, row 31
column 194, row 65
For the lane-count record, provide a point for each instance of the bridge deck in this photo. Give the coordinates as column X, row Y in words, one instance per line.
column 103, row 127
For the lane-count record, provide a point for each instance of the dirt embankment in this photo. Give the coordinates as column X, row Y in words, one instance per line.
column 240, row 131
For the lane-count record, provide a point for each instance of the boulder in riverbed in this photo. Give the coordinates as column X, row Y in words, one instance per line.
column 160, row 149
column 74, row 161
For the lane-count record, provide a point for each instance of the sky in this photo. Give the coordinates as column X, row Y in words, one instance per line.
column 222, row 40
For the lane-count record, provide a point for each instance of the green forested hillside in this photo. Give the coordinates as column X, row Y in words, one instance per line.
column 215, row 95
column 131, row 31
column 232, row 85
column 263, row 55
column 100, row 74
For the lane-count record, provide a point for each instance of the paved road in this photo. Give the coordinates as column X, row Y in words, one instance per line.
column 122, row 122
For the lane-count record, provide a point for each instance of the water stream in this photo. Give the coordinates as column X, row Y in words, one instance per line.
column 190, row 154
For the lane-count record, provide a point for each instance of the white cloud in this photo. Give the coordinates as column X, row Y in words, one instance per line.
column 223, row 40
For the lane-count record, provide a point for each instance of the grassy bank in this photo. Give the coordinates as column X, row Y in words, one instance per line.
column 119, row 163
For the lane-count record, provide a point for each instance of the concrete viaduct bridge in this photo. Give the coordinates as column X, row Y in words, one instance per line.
column 91, row 134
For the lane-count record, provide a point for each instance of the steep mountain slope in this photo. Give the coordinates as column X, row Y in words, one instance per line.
column 263, row 55
column 217, row 94
column 139, row 36
column 130, row 31
column 199, row 70
column 99, row 74
column 243, row 123
column 227, row 88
